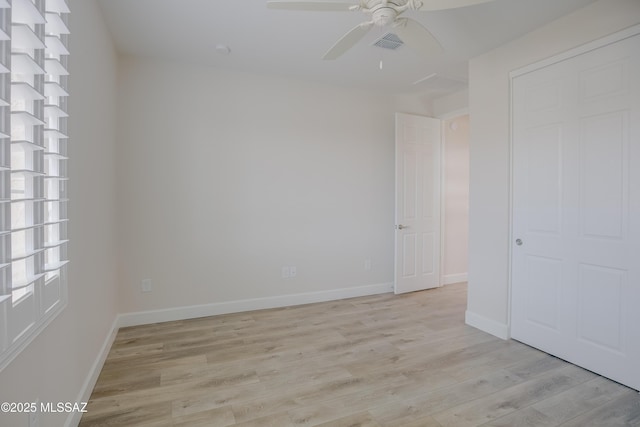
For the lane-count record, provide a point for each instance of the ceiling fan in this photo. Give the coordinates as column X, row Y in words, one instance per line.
column 383, row 12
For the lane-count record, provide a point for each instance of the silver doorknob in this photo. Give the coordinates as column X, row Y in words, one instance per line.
column 400, row 226
column 519, row 242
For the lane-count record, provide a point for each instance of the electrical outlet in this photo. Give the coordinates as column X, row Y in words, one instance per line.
column 367, row 264
column 293, row 271
column 285, row 272
column 145, row 285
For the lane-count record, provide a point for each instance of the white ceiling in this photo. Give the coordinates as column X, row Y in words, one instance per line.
column 291, row 44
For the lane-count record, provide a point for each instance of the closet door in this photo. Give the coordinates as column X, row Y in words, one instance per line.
column 576, row 210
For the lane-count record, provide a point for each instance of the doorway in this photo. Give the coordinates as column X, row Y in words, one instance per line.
column 432, row 201
column 455, row 199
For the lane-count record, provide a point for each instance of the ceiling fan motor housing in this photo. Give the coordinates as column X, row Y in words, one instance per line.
column 385, row 12
column 384, row 16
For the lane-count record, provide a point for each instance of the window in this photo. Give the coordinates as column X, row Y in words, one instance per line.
column 33, row 168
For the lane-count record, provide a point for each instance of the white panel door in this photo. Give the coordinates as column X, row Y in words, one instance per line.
column 576, row 210
column 418, row 146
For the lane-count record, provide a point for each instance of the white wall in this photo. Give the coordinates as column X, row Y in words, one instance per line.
column 489, row 159
column 224, row 178
column 55, row 366
column 456, row 200
column 452, row 104
column 424, row 104
column 420, row 104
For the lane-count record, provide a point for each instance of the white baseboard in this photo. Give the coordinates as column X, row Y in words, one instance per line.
column 195, row 311
column 450, row 279
column 73, row 419
column 487, row 325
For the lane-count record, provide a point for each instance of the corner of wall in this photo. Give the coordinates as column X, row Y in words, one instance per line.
column 451, row 105
column 487, row 325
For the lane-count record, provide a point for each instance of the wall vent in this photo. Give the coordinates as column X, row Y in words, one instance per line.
column 389, row 41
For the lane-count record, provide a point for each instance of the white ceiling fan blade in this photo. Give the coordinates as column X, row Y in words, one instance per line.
column 348, row 40
column 449, row 4
column 417, row 37
column 312, row 5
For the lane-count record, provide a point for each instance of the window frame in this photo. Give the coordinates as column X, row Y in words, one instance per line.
column 34, row 58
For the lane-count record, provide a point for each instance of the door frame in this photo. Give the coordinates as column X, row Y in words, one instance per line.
column 443, row 161
column 571, row 53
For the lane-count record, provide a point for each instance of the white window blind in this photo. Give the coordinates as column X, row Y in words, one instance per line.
column 33, row 168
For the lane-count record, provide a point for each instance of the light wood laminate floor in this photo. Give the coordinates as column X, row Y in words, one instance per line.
column 373, row 361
